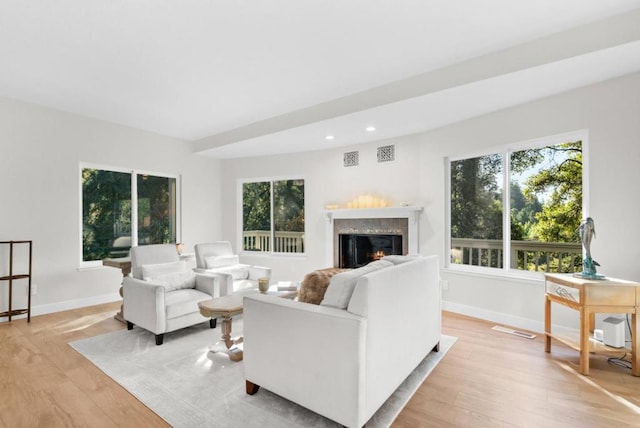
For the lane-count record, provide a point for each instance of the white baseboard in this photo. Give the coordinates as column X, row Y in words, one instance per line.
column 504, row 319
column 67, row 305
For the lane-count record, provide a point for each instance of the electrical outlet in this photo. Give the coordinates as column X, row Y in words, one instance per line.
column 34, row 288
column 445, row 284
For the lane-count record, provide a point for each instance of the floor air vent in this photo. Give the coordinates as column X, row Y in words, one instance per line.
column 514, row 332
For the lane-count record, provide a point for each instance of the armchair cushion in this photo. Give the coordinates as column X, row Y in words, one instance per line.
column 204, row 250
column 214, row 262
column 237, row 272
column 175, row 281
column 172, row 276
column 150, row 271
column 182, row 303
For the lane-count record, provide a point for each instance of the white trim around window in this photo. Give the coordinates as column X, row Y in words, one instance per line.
column 84, row 265
column 240, row 217
column 506, row 150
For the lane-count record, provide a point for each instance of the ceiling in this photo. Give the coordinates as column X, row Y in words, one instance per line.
column 250, row 78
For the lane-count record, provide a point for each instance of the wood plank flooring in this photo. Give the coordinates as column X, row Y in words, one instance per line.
column 493, row 379
column 488, row 379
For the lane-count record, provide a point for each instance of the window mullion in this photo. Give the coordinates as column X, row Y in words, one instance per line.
column 134, row 209
column 506, row 211
column 273, row 226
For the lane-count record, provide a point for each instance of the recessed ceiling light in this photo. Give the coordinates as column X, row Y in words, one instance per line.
column 329, row 137
column 371, row 128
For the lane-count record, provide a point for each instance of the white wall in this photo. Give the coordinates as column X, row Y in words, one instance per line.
column 609, row 111
column 326, row 182
column 41, row 150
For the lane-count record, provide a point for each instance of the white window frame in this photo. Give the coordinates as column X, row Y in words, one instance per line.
column 134, row 205
column 240, row 217
column 506, row 151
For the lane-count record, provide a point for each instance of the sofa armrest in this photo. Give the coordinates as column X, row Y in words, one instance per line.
column 392, row 299
column 300, row 351
column 144, row 304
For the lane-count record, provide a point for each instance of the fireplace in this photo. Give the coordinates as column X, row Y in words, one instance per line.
column 358, row 241
column 356, row 250
column 391, row 230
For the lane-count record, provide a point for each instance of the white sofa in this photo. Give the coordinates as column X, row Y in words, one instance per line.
column 343, row 363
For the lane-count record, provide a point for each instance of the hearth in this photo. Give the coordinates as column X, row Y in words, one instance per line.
column 357, row 250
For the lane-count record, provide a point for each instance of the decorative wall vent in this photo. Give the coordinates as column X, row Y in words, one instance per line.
column 386, row 153
column 351, row 158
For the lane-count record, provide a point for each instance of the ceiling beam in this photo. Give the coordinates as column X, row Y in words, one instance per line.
column 598, row 36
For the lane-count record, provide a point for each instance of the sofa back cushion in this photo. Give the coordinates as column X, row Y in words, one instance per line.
column 341, row 285
column 314, row 285
column 398, row 259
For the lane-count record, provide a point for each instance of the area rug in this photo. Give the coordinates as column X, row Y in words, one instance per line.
column 188, row 386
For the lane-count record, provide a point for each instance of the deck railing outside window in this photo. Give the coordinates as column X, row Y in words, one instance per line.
column 284, row 242
column 561, row 257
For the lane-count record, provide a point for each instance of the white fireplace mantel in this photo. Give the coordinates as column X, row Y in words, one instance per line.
column 411, row 213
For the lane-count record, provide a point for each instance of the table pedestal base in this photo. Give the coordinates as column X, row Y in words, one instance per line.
column 227, row 345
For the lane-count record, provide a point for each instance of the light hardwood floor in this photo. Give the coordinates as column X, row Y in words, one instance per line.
column 488, row 379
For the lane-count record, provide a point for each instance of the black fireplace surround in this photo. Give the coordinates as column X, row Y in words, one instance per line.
column 357, row 250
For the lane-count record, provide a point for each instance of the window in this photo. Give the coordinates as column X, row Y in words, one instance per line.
column 156, row 209
column 273, row 216
column 518, row 209
column 111, row 199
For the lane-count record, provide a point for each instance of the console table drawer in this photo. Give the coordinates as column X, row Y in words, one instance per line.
column 602, row 294
column 562, row 291
column 610, row 295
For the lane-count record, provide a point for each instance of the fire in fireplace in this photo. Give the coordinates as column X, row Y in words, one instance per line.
column 359, row 249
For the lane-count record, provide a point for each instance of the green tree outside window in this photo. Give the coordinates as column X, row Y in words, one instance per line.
column 545, row 206
column 107, row 212
column 273, row 216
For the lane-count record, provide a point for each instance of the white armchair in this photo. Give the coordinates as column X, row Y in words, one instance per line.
column 218, row 258
column 162, row 293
